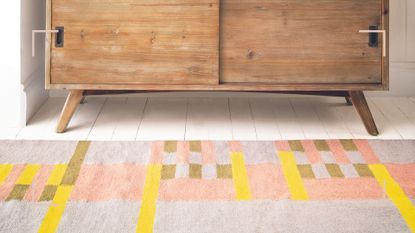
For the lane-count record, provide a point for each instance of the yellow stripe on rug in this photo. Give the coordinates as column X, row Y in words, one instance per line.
column 57, row 174
column 64, row 177
column 5, row 170
column 55, row 211
column 240, row 177
column 292, row 176
column 28, row 174
column 395, row 193
column 148, row 205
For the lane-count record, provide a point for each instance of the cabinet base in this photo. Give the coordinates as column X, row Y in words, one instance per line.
column 355, row 98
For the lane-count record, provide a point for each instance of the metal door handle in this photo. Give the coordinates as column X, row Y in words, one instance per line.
column 383, row 38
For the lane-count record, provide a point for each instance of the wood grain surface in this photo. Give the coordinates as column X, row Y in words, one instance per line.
column 136, row 42
column 299, row 41
column 167, row 45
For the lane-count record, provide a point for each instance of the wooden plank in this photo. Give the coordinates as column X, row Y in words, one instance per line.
column 326, row 110
column 386, row 128
column 299, row 41
column 164, row 119
column 196, row 122
column 243, row 127
column 404, row 125
column 208, row 119
column 9, row 133
column 130, row 120
column 405, row 105
column 265, row 119
column 136, row 42
column 287, row 120
column 108, row 120
column 308, row 119
column 119, row 119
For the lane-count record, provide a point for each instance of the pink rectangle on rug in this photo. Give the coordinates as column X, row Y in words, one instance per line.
column 339, row 188
column 267, row 182
column 282, row 146
column 311, row 151
column 338, row 152
column 108, row 182
column 195, row 189
column 208, row 152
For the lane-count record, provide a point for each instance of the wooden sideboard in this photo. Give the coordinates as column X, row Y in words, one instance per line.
column 330, row 47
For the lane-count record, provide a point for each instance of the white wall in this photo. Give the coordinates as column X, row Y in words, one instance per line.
column 402, row 48
column 10, row 91
column 21, row 82
column 32, row 68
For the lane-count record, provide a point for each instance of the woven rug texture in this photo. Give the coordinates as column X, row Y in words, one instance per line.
column 207, row 186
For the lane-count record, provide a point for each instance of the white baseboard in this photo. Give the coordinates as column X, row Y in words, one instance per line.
column 34, row 93
column 402, row 83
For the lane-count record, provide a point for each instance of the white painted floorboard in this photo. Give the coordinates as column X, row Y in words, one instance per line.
column 265, row 119
column 310, row 123
column 164, row 119
column 385, row 127
column 130, row 119
column 9, row 133
column 287, row 121
column 219, row 118
column 330, row 116
column 41, row 125
column 208, row 119
column 243, row 125
column 392, row 111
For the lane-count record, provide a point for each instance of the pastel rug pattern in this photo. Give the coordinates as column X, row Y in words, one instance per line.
column 207, row 186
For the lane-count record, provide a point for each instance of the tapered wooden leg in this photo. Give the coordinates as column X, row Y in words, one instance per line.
column 72, row 102
column 359, row 101
column 348, row 100
column 82, row 100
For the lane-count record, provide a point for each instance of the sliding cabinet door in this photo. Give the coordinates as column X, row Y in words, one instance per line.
column 301, row 41
column 134, row 42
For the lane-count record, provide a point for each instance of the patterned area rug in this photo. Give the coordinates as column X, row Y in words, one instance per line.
column 207, row 186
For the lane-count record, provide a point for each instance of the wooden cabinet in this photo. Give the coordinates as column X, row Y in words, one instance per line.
column 311, row 46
